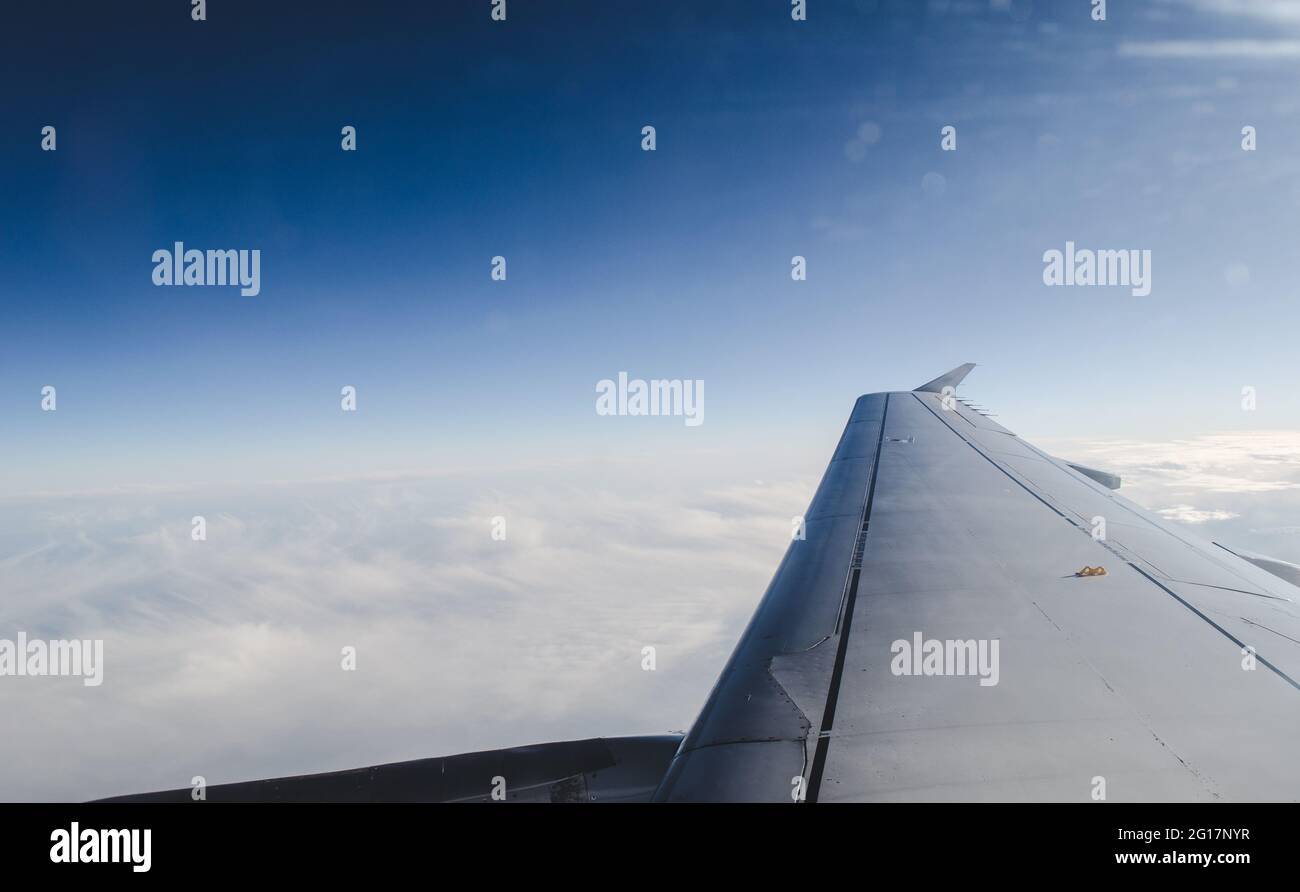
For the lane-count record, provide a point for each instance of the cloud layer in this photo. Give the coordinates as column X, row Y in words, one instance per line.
column 223, row 656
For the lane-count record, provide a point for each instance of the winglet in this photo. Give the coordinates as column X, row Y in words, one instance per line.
column 948, row 379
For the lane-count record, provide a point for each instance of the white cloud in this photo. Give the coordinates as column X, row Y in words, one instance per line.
column 1188, row 514
column 222, row 657
column 1210, row 49
column 1273, row 11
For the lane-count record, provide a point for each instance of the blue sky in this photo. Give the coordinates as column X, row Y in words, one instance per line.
column 476, row 398
column 522, row 139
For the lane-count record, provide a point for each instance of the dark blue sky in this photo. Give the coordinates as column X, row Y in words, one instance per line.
column 522, row 139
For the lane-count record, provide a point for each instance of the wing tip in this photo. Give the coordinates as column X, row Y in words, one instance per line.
column 947, row 379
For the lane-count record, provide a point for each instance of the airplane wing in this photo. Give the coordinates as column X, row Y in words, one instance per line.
column 969, row 618
column 965, row 618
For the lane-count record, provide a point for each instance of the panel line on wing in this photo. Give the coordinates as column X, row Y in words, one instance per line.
column 1109, row 547
column 844, row 623
column 987, row 458
column 1231, row 637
